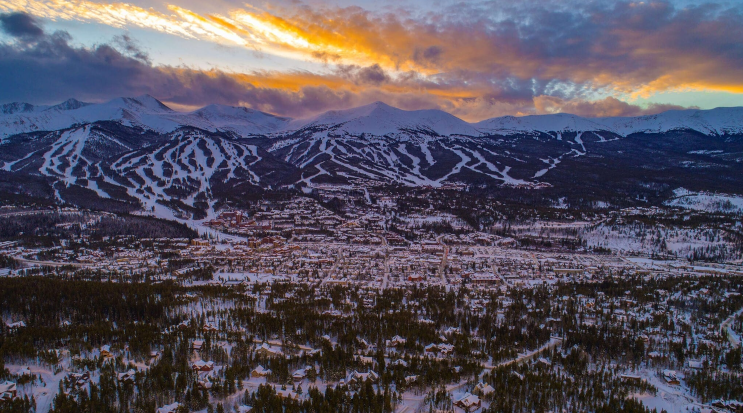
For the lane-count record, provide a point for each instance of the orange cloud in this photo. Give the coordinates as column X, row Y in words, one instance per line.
column 462, row 59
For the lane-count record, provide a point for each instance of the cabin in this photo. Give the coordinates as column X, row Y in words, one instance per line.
column 8, row 391
column 202, row 365
column 126, row 377
column 469, row 402
column 260, row 371
column 483, row 389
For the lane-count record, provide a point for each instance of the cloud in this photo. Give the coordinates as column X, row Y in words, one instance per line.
column 20, row 25
column 599, row 108
column 617, row 47
column 470, row 66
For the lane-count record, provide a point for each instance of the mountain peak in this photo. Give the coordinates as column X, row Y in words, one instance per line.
column 381, row 119
column 69, row 104
column 150, row 102
column 16, row 107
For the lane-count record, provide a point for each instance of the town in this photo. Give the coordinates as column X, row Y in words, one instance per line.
column 383, row 302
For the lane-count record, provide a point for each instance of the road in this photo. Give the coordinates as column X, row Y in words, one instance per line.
column 554, row 342
column 726, row 330
column 444, row 257
column 51, row 263
column 339, row 260
column 386, row 274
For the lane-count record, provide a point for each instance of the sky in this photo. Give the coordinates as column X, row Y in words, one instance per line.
column 297, row 58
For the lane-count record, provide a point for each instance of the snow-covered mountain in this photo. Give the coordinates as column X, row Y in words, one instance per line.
column 719, row 121
column 380, row 119
column 376, row 119
column 142, row 111
column 132, row 153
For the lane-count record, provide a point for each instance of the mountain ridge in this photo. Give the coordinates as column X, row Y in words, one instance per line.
column 375, row 119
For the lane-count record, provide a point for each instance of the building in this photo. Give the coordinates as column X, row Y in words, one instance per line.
column 106, row 352
column 202, row 365
column 8, row 391
column 268, row 351
column 126, row 377
column 468, row 402
column 260, row 372
column 483, row 389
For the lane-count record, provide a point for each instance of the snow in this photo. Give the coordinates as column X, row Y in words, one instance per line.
column 379, row 119
column 719, row 121
column 705, row 201
column 143, row 111
column 376, row 119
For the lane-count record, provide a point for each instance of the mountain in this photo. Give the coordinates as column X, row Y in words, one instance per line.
column 719, row 121
column 142, row 111
column 137, row 153
column 239, row 120
column 380, row 119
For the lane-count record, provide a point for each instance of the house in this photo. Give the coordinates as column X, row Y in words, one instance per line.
column 268, row 351
column 468, row 402
column 670, row 377
column 632, row 378
column 260, row 372
column 399, row 362
column 126, row 377
column 170, row 408
column 106, row 352
column 204, row 384
column 78, row 379
column 357, row 378
column 299, row 374
column 411, row 379
column 446, row 348
column 483, row 389
column 243, row 409
column 202, row 365
column 15, row 326
column 8, row 391
column 364, row 359
column 197, row 345
column 431, row 348
column 396, row 341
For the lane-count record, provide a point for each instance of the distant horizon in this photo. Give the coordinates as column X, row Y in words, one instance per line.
column 179, row 109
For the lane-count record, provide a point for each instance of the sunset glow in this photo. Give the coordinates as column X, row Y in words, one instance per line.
column 460, row 59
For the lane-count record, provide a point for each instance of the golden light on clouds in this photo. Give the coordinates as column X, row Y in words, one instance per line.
column 469, row 64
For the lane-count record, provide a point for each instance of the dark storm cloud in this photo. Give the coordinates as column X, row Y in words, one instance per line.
column 20, row 25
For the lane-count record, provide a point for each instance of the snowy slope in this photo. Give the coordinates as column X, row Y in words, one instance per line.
column 705, row 201
column 561, row 122
column 143, row 111
column 719, row 121
column 379, row 119
column 239, row 120
column 376, row 119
